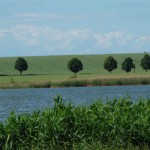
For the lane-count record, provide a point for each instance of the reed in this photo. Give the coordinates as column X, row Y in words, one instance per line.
column 103, row 81
column 25, row 85
column 115, row 124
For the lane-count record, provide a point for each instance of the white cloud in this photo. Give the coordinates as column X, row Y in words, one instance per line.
column 4, row 32
column 144, row 39
column 142, row 42
column 117, row 38
column 47, row 37
column 69, row 41
column 67, row 17
column 26, row 34
column 33, row 15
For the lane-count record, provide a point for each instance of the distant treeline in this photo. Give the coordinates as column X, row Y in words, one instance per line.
column 75, row 65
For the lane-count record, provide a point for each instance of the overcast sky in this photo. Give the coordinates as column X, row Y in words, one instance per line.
column 62, row 27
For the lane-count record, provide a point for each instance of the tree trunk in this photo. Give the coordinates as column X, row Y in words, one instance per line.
column 75, row 74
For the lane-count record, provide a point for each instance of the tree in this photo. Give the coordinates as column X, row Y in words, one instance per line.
column 127, row 64
column 110, row 64
column 75, row 65
column 145, row 62
column 21, row 65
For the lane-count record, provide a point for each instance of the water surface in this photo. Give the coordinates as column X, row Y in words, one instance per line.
column 29, row 100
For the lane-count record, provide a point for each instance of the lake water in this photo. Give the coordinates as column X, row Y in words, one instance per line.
column 29, row 100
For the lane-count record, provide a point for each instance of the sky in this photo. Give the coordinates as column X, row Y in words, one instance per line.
column 68, row 27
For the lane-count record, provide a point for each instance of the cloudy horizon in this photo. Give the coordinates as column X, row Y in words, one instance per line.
column 34, row 28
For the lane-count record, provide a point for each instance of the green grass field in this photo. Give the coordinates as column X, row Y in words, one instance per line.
column 54, row 68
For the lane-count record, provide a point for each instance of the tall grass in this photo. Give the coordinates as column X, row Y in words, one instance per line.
column 115, row 124
column 103, row 81
column 25, row 85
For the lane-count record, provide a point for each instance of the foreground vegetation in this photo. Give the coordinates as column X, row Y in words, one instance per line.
column 115, row 124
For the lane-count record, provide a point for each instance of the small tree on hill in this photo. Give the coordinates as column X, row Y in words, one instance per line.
column 127, row 64
column 110, row 64
column 145, row 62
column 21, row 65
column 75, row 65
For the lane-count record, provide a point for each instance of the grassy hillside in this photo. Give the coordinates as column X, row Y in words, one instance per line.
column 49, row 68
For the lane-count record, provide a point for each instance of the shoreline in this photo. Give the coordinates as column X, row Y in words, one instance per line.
column 107, row 81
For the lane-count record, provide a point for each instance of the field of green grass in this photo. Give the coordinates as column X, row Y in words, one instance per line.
column 54, row 68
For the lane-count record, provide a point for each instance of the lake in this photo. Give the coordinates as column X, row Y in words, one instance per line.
column 29, row 100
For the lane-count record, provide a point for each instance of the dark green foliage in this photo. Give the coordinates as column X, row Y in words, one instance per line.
column 145, row 62
column 75, row 65
column 21, row 65
column 127, row 64
column 110, row 64
column 116, row 124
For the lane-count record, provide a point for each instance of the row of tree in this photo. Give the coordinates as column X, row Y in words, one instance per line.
column 75, row 65
column 110, row 63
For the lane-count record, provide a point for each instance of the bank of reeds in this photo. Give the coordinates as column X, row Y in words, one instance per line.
column 16, row 85
column 116, row 124
column 102, row 81
column 108, row 81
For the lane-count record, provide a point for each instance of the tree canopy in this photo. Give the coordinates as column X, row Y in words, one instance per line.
column 110, row 64
column 21, row 65
column 127, row 64
column 75, row 65
column 145, row 62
